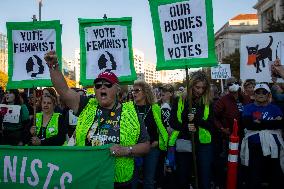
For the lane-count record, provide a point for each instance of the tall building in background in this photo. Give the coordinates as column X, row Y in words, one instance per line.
column 68, row 68
column 146, row 71
column 150, row 73
column 268, row 10
column 3, row 53
column 139, row 64
column 227, row 39
column 77, row 66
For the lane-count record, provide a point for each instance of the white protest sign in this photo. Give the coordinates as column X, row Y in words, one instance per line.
column 184, row 34
column 72, row 118
column 107, row 47
column 12, row 113
column 258, row 52
column 28, row 42
column 29, row 50
column 222, row 71
column 184, row 29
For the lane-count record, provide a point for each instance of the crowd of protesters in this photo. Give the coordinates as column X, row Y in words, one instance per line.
column 160, row 138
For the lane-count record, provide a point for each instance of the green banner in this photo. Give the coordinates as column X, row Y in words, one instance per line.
column 28, row 42
column 106, row 45
column 56, row 167
column 184, row 33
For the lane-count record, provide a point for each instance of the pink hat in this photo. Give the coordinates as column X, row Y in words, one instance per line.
column 108, row 76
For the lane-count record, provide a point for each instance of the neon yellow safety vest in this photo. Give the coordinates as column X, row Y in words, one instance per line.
column 129, row 134
column 163, row 134
column 175, row 133
column 204, row 134
column 51, row 128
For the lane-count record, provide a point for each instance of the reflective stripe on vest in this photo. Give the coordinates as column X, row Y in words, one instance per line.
column 129, row 134
column 163, row 134
column 204, row 134
column 175, row 133
column 51, row 128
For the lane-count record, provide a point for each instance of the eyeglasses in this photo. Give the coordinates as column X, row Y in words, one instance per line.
column 99, row 85
column 230, row 84
column 264, row 92
column 136, row 90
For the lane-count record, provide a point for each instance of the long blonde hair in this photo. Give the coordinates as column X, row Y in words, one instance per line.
column 196, row 77
column 147, row 91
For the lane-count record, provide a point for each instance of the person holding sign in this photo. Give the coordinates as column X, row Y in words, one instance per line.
column 14, row 124
column 49, row 129
column 103, row 120
column 194, row 116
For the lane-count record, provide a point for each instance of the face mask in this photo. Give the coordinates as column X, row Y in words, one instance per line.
column 234, row 88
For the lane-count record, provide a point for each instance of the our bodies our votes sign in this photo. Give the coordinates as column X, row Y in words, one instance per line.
column 258, row 53
column 106, row 45
column 222, row 71
column 27, row 44
column 184, row 33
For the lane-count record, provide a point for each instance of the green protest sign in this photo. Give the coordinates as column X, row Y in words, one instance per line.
column 184, row 34
column 27, row 44
column 56, row 167
column 106, row 45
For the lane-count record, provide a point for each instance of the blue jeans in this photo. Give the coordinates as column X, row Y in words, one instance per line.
column 149, row 168
column 205, row 165
column 150, row 162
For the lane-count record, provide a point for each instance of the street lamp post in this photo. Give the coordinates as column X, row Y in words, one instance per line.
column 39, row 9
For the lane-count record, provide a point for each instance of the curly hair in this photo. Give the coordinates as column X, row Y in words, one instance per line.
column 147, row 91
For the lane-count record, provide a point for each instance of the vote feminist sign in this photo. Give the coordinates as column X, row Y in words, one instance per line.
column 182, row 33
column 28, row 42
column 106, row 46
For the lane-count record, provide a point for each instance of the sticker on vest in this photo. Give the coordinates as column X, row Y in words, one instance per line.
column 51, row 130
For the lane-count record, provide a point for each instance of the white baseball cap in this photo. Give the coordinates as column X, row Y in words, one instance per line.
column 262, row 86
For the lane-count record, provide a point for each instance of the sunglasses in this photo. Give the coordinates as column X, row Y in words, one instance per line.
column 99, row 85
column 264, row 92
column 230, row 84
column 136, row 90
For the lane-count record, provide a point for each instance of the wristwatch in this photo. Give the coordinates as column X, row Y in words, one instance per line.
column 130, row 150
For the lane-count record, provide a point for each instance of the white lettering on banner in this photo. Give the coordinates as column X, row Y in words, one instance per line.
column 49, row 175
column 33, row 170
column 62, row 178
column 23, row 168
column 233, row 146
column 184, row 29
column 11, row 169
